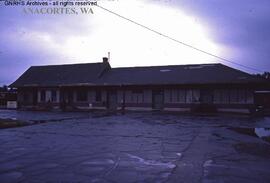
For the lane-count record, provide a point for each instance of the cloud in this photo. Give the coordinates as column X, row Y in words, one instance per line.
column 242, row 26
column 236, row 30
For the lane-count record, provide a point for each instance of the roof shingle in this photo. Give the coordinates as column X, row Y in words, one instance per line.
column 103, row 74
column 57, row 75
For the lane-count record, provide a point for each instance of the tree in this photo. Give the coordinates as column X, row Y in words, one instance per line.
column 265, row 75
column 4, row 88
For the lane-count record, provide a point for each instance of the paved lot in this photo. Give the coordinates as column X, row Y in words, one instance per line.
column 136, row 147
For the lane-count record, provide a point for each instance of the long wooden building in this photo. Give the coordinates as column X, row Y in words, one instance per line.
column 202, row 87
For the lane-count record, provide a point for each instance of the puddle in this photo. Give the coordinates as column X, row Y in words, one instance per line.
column 207, row 163
column 151, row 162
column 179, row 154
column 101, row 162
column 263, row 133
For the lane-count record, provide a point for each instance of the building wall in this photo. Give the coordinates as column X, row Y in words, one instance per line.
column 25, row 97
column 224, row 100
column 51, row 98
column 137, row 98
column 141, row 98
column 90, row 101
column 181, row 96
column 220, row 96
column 48, row 95
column 181, row 99
column 233, row 96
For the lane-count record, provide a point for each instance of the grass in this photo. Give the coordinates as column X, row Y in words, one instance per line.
column 11, row 123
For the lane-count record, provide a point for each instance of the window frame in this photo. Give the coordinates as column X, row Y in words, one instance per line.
column 53, row 95
column 136, row 94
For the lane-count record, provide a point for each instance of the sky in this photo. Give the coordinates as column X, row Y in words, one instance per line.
column 235, row 30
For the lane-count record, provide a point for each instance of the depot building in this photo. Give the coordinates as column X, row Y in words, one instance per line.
column 179, row 88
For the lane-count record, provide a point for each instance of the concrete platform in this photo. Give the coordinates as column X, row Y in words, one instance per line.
column 135, row 147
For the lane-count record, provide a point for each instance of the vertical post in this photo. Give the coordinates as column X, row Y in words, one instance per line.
column 124, row 101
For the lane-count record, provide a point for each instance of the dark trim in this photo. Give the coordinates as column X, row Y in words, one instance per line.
column 138, row 105
column 247, row 85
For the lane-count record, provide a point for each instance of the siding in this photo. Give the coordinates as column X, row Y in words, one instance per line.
column 142, row 96
column 25, row 97
column 233, row 96
column 181, row 96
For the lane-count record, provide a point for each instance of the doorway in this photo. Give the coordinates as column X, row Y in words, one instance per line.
column 112, row 100
column 158, row 99
column 207, row 96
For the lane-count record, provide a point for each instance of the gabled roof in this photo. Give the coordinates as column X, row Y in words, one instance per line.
column 57, row 75
column 102, row 74
column 178, row 74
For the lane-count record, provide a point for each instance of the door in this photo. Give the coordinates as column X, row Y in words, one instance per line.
column 112, row 100
column 66, row 97
column 70, row 97
column 206, row 97
column 158, row 99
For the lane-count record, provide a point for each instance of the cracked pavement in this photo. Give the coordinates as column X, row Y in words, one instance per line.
column 136, row 147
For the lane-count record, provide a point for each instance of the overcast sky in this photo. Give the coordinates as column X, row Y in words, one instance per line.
column 235, row 30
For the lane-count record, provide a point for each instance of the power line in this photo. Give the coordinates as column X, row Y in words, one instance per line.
column 180, row 42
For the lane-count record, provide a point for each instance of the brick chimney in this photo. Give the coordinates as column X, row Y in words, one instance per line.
column 105, row 60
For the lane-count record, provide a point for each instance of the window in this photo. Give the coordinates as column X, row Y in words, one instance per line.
column 233, row 96
column 191, row 96
column 196, row 95
column 242, row 96
column 225, row 96
column 181, row 96
column 54, row 95
column 82, row 95
column 137, row 96
column 42, row 96
column 171, row 95
column 238, row 96
column 217, row 96
column 98, row 96
column 249, row 97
